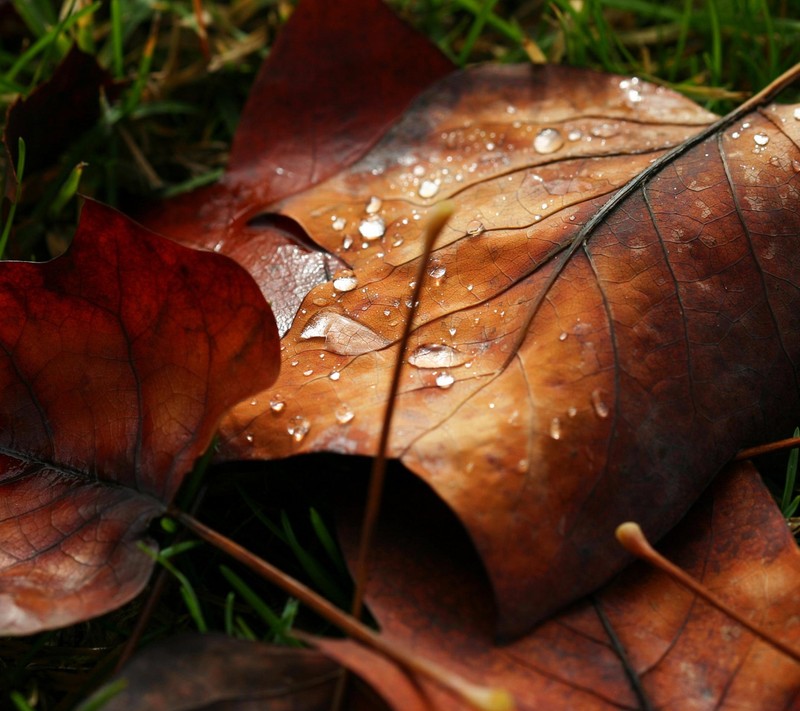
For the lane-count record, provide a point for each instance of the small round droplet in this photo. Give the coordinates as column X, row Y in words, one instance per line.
column 437, row 271
column 276, row 405
column 549, row 140
column 563, row 336
column 338, row 223
column 575, row 135
column 761, row 139
column 335, row 375
column 444, row 380
column 372, row 227
column 344, row 414
column 254, row 402
column 555, row 428
column 344, row 280
column 309, row 371
column 599, row 405
column 475, row 227
column 427, row 189
column 373, row 205
column 249, row 438
column 298, row 428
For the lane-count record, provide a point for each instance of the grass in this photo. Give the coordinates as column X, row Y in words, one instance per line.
column 183, row 82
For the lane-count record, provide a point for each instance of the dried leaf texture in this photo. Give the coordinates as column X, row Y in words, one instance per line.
column 338, row 76
column 426, row 592
column 549, row 393
column 117, row 361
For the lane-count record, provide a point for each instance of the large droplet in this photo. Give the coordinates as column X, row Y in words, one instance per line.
column 372, row 227
column 298, row 427
column 475, row 227
column 344, row 280
column 436, row 355
column 342, row 334
column 437, row 270
column 761, row 139
column 549, row 140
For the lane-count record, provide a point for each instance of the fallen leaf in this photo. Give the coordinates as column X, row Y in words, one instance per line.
column 550, row 393
column 426, row 591
column 192, row 671
column 337, row 77
column 117, row 361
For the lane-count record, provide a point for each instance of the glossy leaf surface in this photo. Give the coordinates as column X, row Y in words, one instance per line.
column 116, row 362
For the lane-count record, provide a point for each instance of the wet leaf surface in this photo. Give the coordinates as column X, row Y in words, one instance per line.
column 116, row 362
column 427, row 592
column 338, row 76
column 567, row 358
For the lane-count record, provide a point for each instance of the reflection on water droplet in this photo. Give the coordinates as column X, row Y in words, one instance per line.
column 249, row 437
column 549, row 140
column 436, row 355
column 437, row 270
column 428, row 189
column 475, row 227
column 372, row 227
column 335, row 375
column 308, row 372
column 599, row 405
column 574, row 135
column 444, row 380
column 338, row 223
column 298, row 427
column 373, row 205
column 276, row 404
column 342, row 334
column 555, row 428
column 344, row 280
column 563, row 336
column 735, row 135
column 344, row 414
column 761, row 139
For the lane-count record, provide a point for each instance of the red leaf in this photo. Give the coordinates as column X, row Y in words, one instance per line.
column 116, row 362
column 338, row 76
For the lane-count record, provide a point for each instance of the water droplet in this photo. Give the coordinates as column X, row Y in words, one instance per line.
column 338, row 223
column 347, row 242
column 344, row 414
column 436, row 355
column 572, row 411
column 796, row 165
column 254, row 402
column 735, row 135
column 298, row 427
column 419, row 170
column 605, row 130
column 373, row 205
column 475, row 227
column 563, row 336
column 437, row 270
column 761, row 139
column 575, row 135
column 344, row 280
column 335, row 375
column 276, row 404
column 428, row 189
column 549, row 140
column 249, row 438
column 372, row 227
column 555, row 428
column 444, row 380
column 308, row 372
column 522, row 465
column 342, row 334
column 470, row 287
column 599, row 405
column 218, row 246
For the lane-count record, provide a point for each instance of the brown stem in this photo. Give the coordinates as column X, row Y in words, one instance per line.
column 479, row 697
column 632, row 538
column 440, row 214
column 750, row 452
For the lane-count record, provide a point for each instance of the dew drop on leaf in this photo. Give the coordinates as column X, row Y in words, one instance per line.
column 444, row 380
column 344, row 414
column 437, row 271
column 549, row 140
column 436, row 355
column 373, row 205
column 298, row 427
column 761, row 139
column 555, row 428
column 372, row 227
column 276, row 404
column 599, row 405
column 342, row 334
column 344, row 280
column 428, row 189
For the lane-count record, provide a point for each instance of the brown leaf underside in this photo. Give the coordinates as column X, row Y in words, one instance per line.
column 116, row 362
column 548, row 424
column 426, row 593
